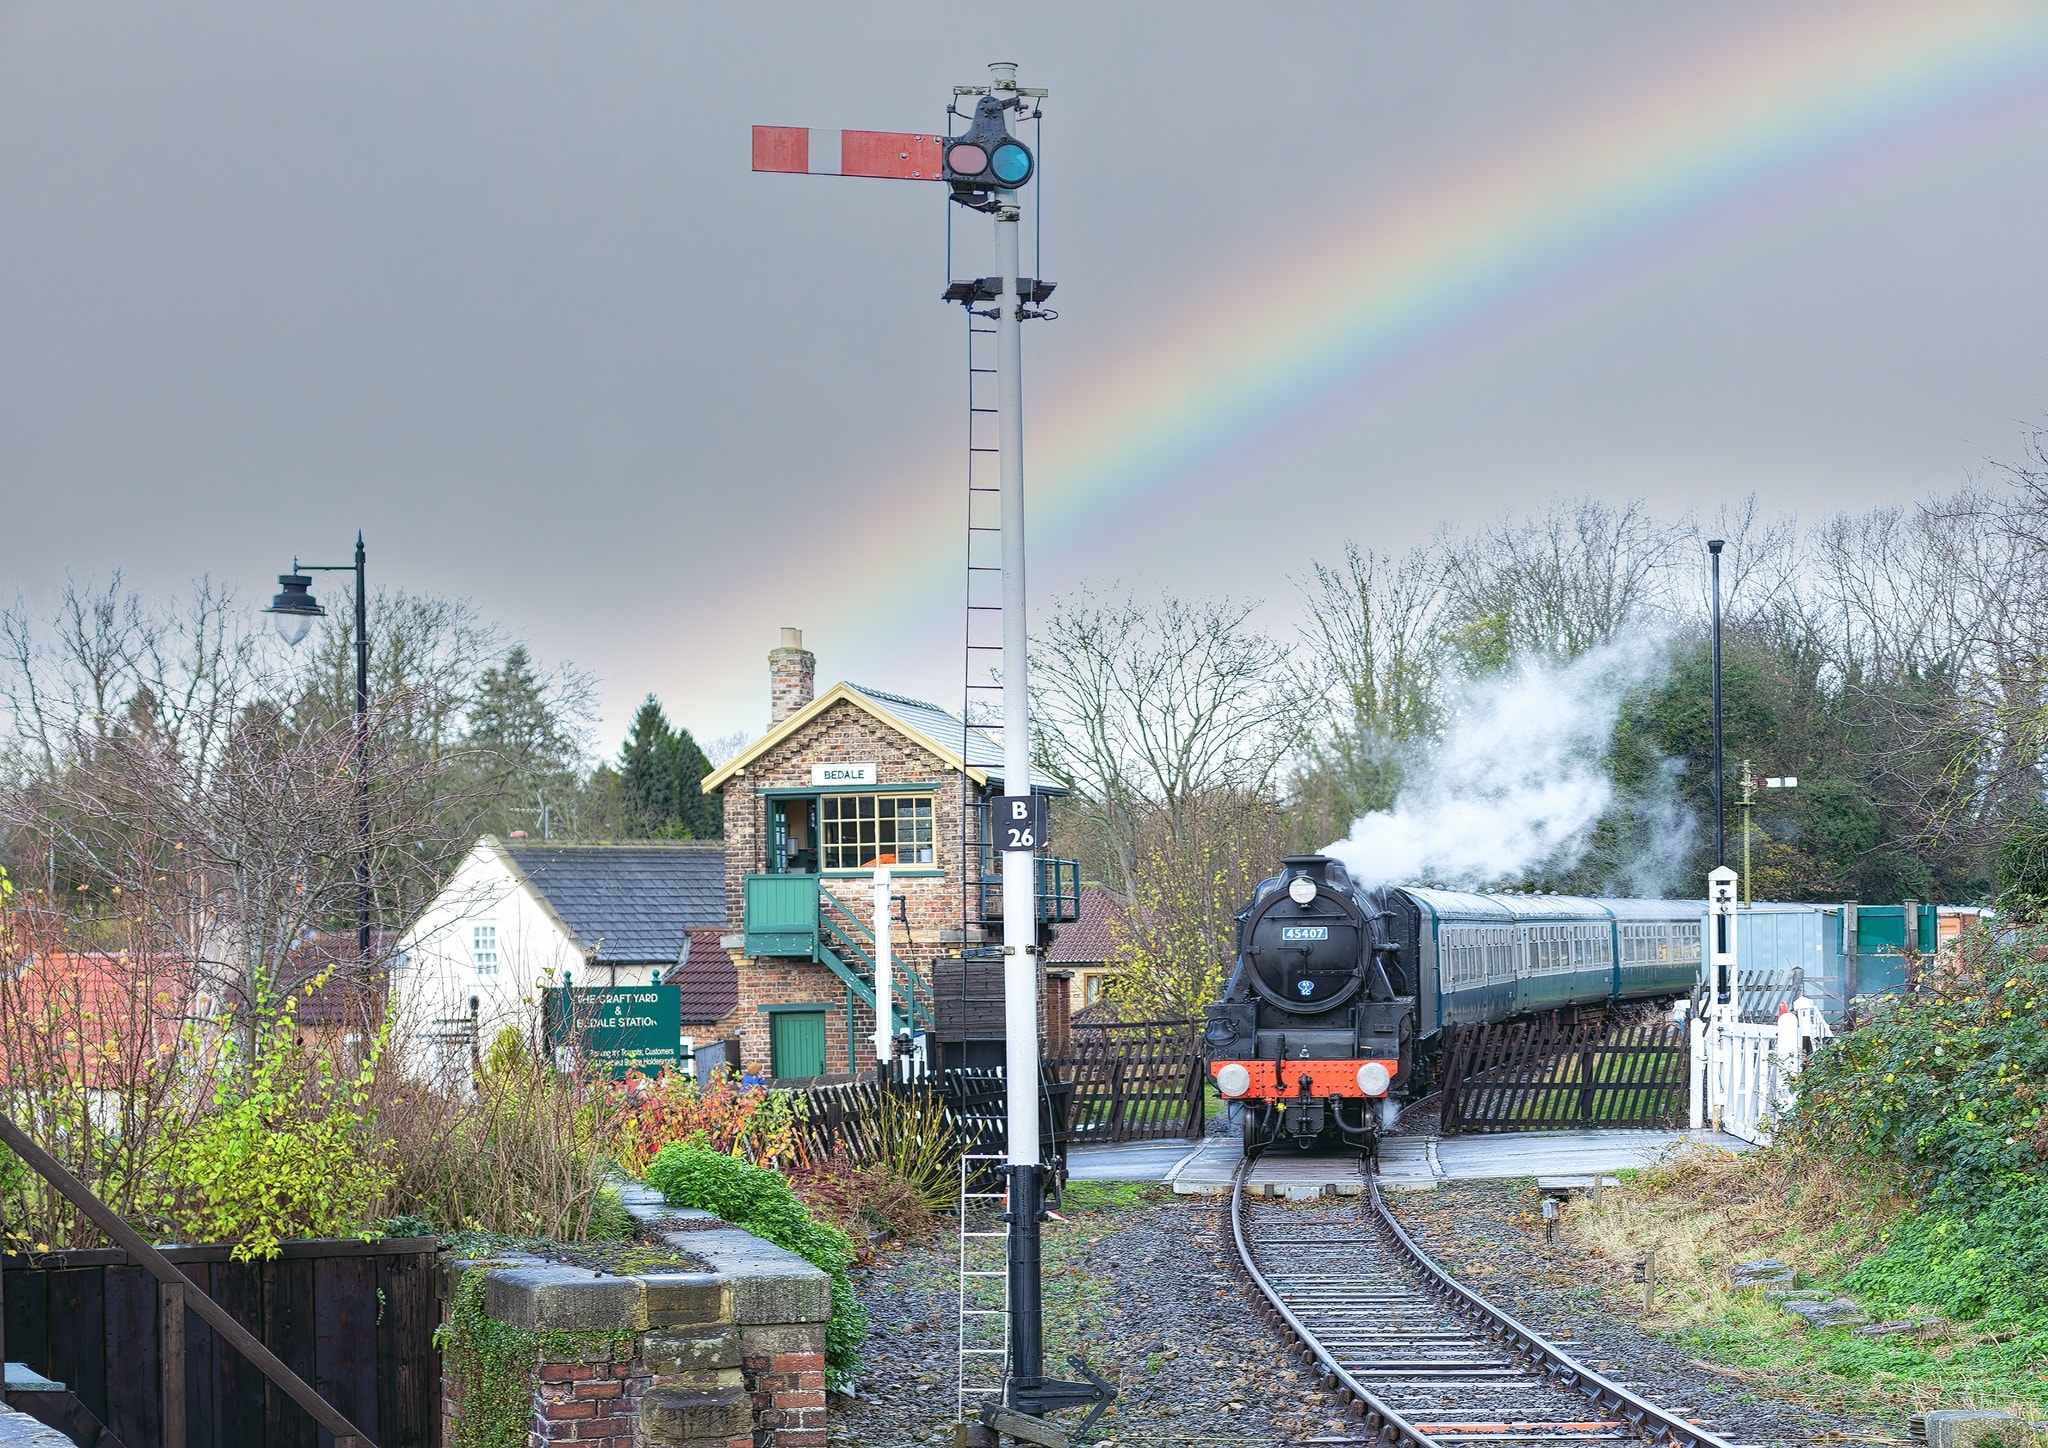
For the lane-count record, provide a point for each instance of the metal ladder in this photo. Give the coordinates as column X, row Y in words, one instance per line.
column 984, row 1329
column 981, row 701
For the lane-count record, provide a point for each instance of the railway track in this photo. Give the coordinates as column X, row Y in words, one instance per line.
column 1419, row 1358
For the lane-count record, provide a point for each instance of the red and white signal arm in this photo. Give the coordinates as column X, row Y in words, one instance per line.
column 881, row 155
column 1018, row 821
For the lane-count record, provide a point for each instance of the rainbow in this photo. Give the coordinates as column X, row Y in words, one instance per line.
column 1782, row 123
column 1789, row 120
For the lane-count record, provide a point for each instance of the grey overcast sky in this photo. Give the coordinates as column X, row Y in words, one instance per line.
column 494, row 283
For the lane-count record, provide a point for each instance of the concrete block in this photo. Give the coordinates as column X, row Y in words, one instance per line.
column 1826, row 1312
column 1766, row 1272
column 566, row 1298
column 772, row 1340
column 1975, row 1428
column 683, row 1350
column 674, row 1417
column 685, row 1298
column 767, row 1283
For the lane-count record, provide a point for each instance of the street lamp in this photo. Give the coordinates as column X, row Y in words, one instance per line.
column 293, row 611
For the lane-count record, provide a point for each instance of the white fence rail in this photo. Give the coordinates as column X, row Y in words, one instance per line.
column 1743, row 1075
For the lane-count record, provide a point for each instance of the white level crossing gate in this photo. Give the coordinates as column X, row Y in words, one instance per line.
column 1743, row 1074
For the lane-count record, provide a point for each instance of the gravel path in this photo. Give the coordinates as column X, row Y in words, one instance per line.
column 1163, row 1315
column 1490, row 1235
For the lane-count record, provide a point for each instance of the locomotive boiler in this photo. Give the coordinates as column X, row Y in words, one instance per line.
column 1333, row 1016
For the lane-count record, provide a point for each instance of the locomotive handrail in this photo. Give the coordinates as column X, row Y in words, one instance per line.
column 1380, row 1420
column 1560, row 1366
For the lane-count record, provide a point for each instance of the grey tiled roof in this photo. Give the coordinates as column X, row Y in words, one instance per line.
column 941, row 726
column 632, row 903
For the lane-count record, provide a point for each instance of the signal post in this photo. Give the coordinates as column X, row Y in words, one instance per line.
column 984, row 168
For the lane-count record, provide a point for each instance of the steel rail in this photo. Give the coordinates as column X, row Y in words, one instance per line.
column 1559, row 1367
column 1386, row 1426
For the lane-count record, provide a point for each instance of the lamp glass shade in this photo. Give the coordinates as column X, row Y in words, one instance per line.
column 294, row 608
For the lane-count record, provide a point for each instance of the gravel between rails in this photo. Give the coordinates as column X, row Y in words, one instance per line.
column 1165, row 1316
column 1490, row 1236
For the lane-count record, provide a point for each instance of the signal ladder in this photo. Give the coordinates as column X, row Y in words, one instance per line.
column 984, row 1289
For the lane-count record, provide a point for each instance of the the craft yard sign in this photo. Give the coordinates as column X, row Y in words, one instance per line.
column 619, row 1028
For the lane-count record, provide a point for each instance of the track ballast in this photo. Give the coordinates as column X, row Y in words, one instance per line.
column 1421, row 1359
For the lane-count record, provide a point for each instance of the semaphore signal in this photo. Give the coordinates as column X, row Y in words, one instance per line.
column 984, row 167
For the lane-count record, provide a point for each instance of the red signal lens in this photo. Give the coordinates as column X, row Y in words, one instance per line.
column 966, row 160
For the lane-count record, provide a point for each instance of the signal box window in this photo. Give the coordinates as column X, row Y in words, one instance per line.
column 483, row 949
column 857, row 831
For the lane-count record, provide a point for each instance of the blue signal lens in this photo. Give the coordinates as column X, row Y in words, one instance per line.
column 1011, row 163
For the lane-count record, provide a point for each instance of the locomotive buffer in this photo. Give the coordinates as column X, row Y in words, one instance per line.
column 984, row 168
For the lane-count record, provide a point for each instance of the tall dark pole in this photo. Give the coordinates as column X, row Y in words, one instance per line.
column 363, row 759
column 1720, row 830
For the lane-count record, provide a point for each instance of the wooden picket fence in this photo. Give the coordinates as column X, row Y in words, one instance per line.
column 1135, row 1080
column 1556, row 1073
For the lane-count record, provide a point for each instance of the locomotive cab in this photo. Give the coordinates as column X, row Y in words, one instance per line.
column 1314, row 1035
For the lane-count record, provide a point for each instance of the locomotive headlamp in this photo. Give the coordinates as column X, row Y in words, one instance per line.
column 1233, row 1080
column 1373, row 1079
column 1302, row 891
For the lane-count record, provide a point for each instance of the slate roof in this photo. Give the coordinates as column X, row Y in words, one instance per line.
column 630, row 903
column 1086, row 941
column 944, row 726
column 709, row 979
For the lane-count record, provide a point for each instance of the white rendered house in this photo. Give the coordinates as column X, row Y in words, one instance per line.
column 518, row 917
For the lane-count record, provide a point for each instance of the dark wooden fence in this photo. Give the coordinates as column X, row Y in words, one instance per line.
column 354, row 1319
column 1135, row 1080
column 1556, row 1073
column 976, row 1103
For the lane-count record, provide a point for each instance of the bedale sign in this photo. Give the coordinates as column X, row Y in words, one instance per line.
column 617, row 1028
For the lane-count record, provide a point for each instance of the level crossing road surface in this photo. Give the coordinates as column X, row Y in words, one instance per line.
column 1406, row 1162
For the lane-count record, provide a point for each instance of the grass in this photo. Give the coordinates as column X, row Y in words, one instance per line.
column 1706, row 1210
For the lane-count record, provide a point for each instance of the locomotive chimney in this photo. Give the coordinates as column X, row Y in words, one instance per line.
column 792, row 676
column 1316, row 867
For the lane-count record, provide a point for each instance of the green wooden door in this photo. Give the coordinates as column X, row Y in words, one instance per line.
column 796, row 1043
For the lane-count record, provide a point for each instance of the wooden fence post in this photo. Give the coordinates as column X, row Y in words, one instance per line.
column 170, row 1306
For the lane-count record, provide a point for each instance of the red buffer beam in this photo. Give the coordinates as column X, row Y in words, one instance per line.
column 882, row 155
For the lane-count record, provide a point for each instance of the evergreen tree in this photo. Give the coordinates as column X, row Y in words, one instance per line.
column 525, row 751
column 660, row 777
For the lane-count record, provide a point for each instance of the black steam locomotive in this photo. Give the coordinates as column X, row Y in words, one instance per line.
column 1333, row 1016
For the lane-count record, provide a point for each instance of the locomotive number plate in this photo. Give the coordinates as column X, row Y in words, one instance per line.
column 1304, row 932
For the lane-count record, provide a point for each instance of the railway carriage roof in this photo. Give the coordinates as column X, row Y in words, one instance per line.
column 1472, row 905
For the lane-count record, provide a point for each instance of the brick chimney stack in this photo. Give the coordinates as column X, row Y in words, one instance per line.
column 792, row 676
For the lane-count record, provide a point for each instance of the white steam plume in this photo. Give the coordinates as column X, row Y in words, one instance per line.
column 1517, row 781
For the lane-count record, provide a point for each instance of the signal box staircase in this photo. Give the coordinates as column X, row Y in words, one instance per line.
column 795, row 915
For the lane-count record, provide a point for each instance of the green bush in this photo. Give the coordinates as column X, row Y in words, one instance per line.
column 1990, row 1264
column 760, row 1201
column 1948, row 1085
column 290, row 1150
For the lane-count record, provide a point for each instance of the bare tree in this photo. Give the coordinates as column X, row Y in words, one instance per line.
column 1578, row 574
column 1147, row 706
column 1373, row 632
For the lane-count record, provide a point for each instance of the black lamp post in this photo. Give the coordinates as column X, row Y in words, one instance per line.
column 1714, row 546
column 294, row 610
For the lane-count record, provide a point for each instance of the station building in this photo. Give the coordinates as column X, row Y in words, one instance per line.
column 843, row 781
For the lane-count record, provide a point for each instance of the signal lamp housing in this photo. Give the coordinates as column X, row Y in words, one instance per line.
column 986, row 158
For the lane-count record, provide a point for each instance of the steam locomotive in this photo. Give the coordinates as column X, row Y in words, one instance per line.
column 1333, row 1017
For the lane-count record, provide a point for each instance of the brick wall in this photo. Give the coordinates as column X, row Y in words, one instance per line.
column 843, row 733
column 788, row 1392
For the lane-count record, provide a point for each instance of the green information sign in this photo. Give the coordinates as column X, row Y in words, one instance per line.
column 619, row 1027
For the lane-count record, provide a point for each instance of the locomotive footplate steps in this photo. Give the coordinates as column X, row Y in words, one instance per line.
column 1420, row 1358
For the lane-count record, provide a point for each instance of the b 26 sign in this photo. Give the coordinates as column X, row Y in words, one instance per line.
column 1019, row 821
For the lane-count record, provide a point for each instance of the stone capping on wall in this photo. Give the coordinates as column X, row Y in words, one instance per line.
column 733, row 1356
